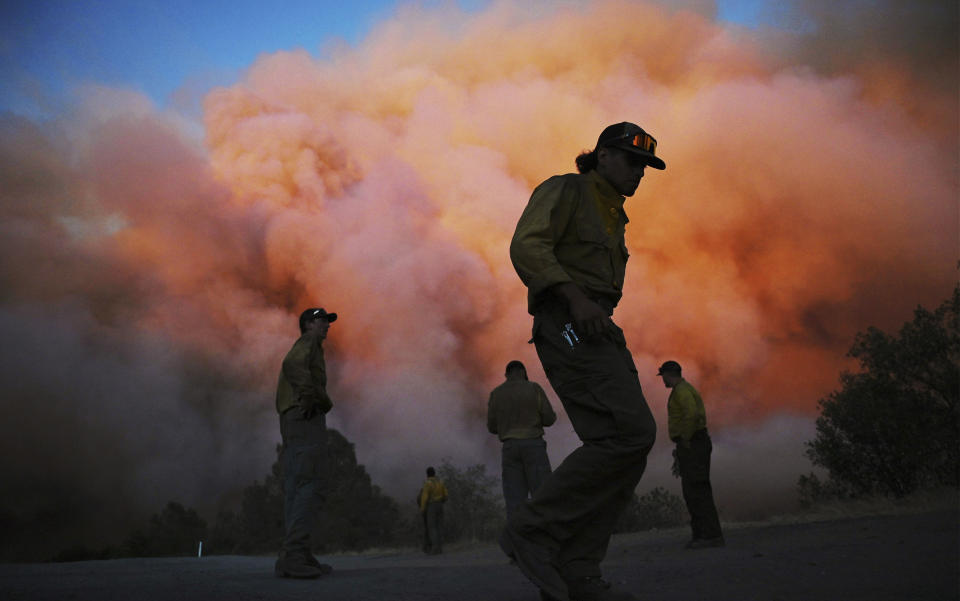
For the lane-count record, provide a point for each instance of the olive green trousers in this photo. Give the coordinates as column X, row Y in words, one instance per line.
column 694, row 460
column 576, row 508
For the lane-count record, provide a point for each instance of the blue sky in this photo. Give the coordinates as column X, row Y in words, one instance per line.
column 47, row 47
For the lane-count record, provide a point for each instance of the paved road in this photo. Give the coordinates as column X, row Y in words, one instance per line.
column 889, row 558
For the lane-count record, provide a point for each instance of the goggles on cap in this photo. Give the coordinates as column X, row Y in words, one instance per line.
column 642, row 141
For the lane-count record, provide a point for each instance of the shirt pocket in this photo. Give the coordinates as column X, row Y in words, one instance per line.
column 595, row 251
column 589, row 232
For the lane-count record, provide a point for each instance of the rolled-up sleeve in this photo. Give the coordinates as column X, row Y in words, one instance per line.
column 538, row 231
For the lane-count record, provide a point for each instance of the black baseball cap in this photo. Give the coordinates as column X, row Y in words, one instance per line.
column 314, row 314
column 669, row 367
column 632, row 138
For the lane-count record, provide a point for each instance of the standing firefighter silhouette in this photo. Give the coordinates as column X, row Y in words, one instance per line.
column 303, row 403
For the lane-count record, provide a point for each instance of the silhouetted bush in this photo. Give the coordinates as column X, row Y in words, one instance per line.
column 355, row 514
column 658, row 508
column 175, row 531
column 812, row 490
column 84, row 553
column 894, row 427
column 474, row 511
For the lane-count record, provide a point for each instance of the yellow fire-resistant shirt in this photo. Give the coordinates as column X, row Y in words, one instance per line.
column 572, row 231
column 303, row 376
column 519, row 409
column 433, row 490
column 685, row 412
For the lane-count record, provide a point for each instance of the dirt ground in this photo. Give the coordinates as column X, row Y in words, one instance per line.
column 895, row 558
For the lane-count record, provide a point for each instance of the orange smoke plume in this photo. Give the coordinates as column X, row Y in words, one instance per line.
column 792, row 201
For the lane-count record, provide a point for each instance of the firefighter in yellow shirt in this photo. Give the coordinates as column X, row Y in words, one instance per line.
column 687, row 426
column 569, row 251
column 302, row 403
column 432, row 497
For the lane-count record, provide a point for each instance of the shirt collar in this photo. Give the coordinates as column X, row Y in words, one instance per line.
column 606, row 193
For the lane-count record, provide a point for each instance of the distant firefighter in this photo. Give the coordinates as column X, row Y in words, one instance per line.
column 302, row 403
column 687, row 425
column 517, row 412
column 570, row 252
column 432, row 497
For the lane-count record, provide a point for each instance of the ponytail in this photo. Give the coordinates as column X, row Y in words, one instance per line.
column 587, row 161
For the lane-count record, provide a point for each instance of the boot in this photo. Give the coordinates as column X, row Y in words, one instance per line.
column 594, row 588
column 296, row 567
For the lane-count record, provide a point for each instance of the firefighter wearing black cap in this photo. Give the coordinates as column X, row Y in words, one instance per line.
column 687, row 426
column 569, row 250
column 302, row 403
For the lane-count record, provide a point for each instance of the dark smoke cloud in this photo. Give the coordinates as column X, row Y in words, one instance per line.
column 902, row 53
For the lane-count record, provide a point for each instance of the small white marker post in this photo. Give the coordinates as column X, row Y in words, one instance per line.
column 200, row 550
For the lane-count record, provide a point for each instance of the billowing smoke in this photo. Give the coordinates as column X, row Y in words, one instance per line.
column 152, row 277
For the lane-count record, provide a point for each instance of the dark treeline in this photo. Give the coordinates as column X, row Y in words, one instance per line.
column 356, row 515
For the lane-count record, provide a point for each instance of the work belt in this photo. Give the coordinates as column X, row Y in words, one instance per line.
column 551, row 303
